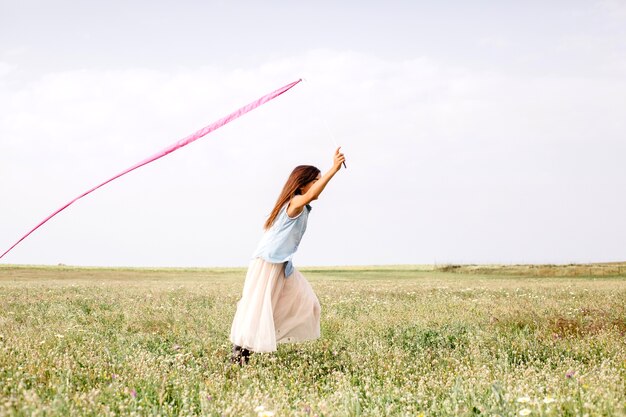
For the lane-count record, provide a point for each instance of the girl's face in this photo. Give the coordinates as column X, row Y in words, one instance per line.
column 308, row 185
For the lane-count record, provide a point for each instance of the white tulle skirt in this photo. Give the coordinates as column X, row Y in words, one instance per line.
column 274, row 309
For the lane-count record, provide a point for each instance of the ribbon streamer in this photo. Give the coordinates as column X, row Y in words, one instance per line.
column 179, row 144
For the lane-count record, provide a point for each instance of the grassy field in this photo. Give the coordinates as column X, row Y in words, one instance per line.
column 407, row 341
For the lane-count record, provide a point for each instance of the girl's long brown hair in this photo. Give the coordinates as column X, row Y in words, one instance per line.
column 300, row 176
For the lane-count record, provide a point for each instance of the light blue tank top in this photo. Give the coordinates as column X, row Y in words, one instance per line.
column 280, row 242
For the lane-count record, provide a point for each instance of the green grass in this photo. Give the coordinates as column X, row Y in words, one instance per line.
column 398, row 340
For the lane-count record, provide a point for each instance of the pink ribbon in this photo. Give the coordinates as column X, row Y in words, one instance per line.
column 183, row 142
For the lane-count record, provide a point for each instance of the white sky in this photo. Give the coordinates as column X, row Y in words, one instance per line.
column 490, row 132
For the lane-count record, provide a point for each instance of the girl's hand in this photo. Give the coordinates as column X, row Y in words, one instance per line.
column 338, row 159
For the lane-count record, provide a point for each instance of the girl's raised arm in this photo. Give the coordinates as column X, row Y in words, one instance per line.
column 299, row 201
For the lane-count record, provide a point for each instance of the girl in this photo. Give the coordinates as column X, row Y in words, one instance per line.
column 278, row 304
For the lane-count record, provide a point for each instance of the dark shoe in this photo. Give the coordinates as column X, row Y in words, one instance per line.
column 240, row 355
column 245, row 355
column 236, row 356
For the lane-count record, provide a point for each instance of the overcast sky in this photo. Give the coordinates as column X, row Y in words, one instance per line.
column 475, row 132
